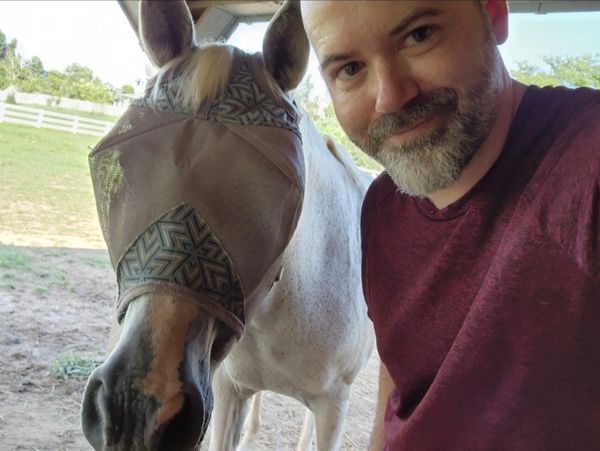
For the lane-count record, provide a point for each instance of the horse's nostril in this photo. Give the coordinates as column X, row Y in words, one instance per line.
column 96, row 418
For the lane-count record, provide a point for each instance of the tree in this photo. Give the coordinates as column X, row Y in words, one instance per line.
column 79, row 73
column 55, row 84
column 304, row 94
column 3, row 45
column 10, row 65
column 321, row 112
column 31, row 75
column 127, row 89
column 81, row 83
column 35, row 67
column 11, row 48
column 77, row 81
column 571, row 71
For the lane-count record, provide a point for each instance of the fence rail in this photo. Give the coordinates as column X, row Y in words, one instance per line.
column 17, row 114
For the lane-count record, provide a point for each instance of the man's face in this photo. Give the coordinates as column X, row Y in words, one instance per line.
column 414, row 83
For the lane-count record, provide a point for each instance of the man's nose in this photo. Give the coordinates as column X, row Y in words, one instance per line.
column 395, row 87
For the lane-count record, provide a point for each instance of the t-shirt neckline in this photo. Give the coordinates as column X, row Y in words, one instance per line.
column 461, row 206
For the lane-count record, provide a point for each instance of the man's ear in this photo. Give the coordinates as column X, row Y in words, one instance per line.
column 497, row 11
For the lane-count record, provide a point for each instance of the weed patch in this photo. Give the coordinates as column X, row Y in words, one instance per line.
column 75, row 366
column 14, row 258
column 41, row 291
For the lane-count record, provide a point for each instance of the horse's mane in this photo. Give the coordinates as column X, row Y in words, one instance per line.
column 204, row 72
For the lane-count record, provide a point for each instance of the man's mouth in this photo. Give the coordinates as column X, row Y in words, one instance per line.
column 413, row 131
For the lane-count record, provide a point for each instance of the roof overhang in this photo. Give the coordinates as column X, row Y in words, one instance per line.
column 552, row 6
column 218, row 19
column 214, row 19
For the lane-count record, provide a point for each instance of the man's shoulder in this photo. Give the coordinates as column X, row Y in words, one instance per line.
column 559, row 122
column 562, row 107
column 566, row 97
column 577, row 129
column 563, row 193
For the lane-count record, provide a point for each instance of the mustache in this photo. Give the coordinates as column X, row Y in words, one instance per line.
column 417, row 110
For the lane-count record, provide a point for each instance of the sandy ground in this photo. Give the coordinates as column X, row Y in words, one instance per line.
column 56, row 300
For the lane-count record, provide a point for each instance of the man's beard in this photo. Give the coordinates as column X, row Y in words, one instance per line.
column 436, row 159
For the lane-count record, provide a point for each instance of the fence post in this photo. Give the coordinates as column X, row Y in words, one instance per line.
column 2, row 108
column 40, row 119
column 75, row 124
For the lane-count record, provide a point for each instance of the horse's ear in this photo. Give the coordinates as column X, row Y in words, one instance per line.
column 285, row 46
column 166, row 29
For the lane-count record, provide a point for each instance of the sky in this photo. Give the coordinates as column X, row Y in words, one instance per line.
column 97, row 34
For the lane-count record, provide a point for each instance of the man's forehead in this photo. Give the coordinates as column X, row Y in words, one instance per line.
column 320, row 14
column 332, row 20
column 331, row 23
column 330, row 10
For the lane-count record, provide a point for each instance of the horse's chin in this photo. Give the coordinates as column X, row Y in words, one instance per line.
column 179, row 424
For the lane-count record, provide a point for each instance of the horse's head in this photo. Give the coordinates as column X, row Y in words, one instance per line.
column 199, row 188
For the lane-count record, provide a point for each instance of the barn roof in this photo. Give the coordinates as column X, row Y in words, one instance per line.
column 219, row 19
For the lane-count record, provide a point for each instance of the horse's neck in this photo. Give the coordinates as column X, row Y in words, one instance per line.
column 329, row 168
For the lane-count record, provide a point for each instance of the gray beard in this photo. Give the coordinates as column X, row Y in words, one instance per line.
column 435, row 160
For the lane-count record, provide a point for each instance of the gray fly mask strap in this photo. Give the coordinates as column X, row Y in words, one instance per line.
column 202, row 205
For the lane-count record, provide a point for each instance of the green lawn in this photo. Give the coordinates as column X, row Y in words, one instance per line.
column 45, row 184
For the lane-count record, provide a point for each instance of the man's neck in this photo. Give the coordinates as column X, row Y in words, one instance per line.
column 490, row 150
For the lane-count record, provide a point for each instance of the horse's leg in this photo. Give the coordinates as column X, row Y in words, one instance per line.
column 330, row 414
column 306, row 436
column 252, row 423
column 230, row 409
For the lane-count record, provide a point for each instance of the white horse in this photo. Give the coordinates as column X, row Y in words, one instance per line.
column 307, row 338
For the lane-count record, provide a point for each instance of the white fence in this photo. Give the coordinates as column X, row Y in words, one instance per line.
column 36, row 98
column 48, row 119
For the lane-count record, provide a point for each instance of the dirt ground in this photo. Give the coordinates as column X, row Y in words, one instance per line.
column 56, row 302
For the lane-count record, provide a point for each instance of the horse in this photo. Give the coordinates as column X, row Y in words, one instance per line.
column 233, row 229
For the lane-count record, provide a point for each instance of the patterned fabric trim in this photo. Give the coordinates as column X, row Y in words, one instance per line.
column 242, row 103
column 166, row 99
column 181, row 248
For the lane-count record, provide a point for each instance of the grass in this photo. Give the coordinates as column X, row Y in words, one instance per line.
column 14, row 258
column 53, row 276
column 101, row 263
column 62, row 280
column 46, row 183
column 19, row 264
column 41, row 291
column 75, row 366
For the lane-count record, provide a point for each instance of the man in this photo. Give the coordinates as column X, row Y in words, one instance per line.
column 481, row 248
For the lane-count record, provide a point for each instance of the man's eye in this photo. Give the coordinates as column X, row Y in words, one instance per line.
column 348, row 71
column 418, row 35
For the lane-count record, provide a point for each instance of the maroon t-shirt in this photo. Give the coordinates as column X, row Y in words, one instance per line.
column 487, row 312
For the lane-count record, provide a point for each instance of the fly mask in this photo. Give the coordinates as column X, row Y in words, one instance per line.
column 202, row 203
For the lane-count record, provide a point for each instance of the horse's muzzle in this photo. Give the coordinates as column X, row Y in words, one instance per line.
column 118, row 416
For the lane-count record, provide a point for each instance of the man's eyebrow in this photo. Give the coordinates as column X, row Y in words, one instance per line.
column 413, row 16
